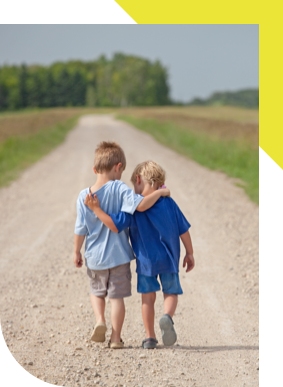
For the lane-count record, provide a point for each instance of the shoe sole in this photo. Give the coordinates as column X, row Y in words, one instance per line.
column 98, row 334
column 169, row 336
column 149, row 345
column 116, row 345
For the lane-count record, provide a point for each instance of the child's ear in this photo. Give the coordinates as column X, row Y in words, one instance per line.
column 94, row 170
column 119, row 166
column 138, row 179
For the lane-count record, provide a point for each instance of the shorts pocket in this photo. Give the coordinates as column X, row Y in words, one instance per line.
column 90, row 273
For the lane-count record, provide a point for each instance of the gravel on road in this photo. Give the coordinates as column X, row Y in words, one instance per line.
column 46, row 316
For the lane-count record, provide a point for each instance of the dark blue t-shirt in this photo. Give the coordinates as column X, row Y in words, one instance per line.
column 155, row 236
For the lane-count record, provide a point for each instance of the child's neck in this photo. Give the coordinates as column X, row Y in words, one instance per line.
column 148, row 189
column 102, row 179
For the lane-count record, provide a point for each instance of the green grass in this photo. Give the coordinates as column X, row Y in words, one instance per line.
column 9, row 113
column 19, row 152
column 235, row 158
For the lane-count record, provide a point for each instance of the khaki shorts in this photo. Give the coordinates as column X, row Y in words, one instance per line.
column 114, row 282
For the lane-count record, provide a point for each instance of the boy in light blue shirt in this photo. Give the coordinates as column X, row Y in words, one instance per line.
column 155, row 236
column 108, row 255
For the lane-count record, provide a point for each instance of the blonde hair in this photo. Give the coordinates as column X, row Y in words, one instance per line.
column 108, row 154
column 151, row 172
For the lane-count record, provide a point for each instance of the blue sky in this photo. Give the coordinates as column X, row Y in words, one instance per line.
column 200, row 59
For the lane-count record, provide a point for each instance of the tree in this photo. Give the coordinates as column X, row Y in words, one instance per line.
column 78, row 89
column 49, row 88
column 3, row 97
column 123, row 81
column 90, row 96
column 35, row 90
column 62, row 93
column 23, row 92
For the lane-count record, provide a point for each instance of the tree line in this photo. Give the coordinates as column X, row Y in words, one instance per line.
column 248, row 98
column 120, row 81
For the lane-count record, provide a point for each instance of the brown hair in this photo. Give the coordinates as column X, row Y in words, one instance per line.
column 151, row 172
column 108, row 154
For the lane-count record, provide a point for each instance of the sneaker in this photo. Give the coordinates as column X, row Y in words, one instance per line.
column 149, row 343
column 98, row 333
column 169, row 336
column 113, row 345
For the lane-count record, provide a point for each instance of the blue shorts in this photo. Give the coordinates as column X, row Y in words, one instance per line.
column 170, row 283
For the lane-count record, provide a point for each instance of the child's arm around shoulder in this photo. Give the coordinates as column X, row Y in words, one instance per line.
column 150, row 200
column 131, row 201
column 93, row 203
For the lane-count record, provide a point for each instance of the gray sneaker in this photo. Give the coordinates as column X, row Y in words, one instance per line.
column 149, row 343
column 169, row 336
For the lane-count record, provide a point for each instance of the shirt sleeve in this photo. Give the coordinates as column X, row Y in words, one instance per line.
column 183, row 224
column 80, row 227
column 130, row 200
column 122, row 220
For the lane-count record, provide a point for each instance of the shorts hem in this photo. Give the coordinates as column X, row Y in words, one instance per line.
column 170, row 283
column 173, row 293
column 117, row 297
column 97, row 294
column 146, row 292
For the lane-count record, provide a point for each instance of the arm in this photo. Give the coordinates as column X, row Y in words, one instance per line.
column 79, row 240
column 189, row 257
column 93, row 204
column 106, row 219
column 151, row 199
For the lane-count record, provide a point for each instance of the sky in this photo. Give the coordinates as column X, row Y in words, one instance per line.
column 200, row 59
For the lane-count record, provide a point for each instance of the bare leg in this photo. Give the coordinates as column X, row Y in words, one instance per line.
column 98, row 306
column 117, row 318
column 168, row 332
column 170, row 303
column 148, row 300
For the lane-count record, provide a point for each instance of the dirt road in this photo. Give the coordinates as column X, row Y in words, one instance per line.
column 45, row 311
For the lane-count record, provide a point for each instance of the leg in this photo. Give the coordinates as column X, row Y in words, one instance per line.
column 166, row 324
column 119, row 286
column 98, row 280
column 117, row 318
column 98, row 306
column 171, row 288
column 148, row 300
column 98, row 290
column 170, row 303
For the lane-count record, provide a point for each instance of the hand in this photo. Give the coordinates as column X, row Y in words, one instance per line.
column 78, row 261
column 92, row 202
column 189, row 261
column 164, row 191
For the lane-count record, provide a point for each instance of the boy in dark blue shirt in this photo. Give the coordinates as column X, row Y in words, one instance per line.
column 155, row 240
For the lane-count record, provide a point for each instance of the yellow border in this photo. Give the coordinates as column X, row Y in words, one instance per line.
column 271, row 83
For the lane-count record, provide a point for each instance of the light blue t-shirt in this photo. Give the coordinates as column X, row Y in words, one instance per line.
column 103, row 248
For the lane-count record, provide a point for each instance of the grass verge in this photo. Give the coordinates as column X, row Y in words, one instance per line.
column 236, row 158
column 19, row 152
